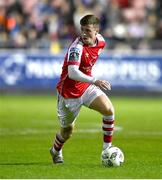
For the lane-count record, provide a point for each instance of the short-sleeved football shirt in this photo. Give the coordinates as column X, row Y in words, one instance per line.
column 83, row 56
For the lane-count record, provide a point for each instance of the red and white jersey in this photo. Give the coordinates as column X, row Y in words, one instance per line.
column 83, row 56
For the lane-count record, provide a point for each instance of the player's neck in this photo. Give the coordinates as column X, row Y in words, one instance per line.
column 93, row 43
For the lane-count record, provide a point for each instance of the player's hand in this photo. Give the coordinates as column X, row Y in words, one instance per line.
column 103, row 84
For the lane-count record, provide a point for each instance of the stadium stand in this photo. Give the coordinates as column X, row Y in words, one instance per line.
column 44, row 24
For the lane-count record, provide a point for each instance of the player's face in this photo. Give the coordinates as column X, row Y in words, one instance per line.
column 88, row 34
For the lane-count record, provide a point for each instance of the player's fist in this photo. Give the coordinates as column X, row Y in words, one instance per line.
column 103, row 84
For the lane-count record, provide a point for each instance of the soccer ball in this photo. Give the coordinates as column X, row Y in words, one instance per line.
column 112, row 156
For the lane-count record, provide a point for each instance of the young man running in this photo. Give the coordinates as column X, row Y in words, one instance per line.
column 78, row 87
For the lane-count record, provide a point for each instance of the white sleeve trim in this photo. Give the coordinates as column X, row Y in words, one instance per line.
column 75, row 74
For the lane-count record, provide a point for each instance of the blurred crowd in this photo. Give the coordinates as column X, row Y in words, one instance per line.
column 134, row 24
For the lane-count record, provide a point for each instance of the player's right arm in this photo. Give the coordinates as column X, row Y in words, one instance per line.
column 103, row 84
column 75, row 74
column 74, row 59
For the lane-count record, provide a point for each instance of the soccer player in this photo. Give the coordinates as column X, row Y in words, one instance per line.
column 78, row 87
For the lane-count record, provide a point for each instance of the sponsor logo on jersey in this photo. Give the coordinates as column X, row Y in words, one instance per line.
column 74, row 49
column 74, row 56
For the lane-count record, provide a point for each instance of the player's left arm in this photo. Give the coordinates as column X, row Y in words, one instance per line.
column 103, row 84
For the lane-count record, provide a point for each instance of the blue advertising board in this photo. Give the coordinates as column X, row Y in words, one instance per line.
column 25, row 70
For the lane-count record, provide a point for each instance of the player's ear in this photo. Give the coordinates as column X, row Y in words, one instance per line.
column 97, row 30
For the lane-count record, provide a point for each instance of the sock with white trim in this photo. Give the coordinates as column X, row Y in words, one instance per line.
column 58, row 143
column 107, row 127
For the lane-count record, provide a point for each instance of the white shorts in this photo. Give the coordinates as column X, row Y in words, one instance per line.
column 68, row 109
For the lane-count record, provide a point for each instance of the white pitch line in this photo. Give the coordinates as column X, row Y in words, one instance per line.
column 95, row 130
column 26, row 131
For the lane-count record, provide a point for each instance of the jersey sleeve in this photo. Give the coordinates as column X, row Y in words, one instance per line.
column 75, row 53
column 101, row 41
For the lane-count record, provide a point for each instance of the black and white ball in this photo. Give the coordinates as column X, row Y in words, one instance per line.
column 112, row 156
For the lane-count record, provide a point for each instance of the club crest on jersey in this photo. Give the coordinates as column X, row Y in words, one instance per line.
column 87, row 55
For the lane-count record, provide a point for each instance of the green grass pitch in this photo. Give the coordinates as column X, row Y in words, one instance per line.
column 28, row 125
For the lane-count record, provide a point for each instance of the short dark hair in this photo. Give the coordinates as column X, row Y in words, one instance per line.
column 89, row 19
